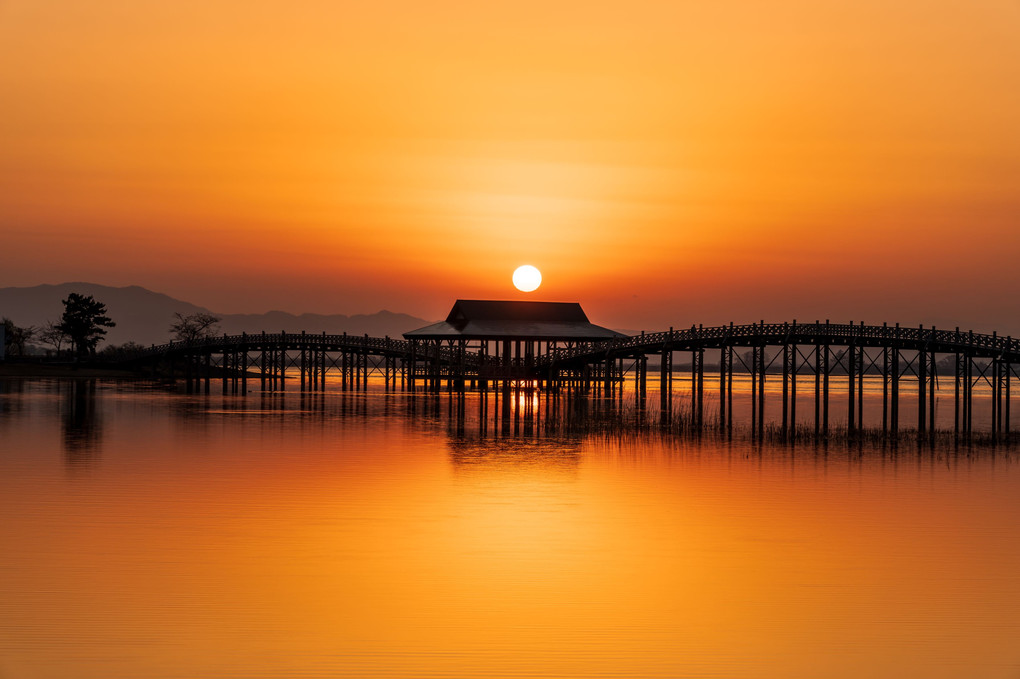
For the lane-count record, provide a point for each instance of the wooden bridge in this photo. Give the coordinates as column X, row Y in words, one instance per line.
column 800, row 356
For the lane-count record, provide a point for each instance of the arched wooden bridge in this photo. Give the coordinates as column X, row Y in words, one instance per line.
column 805, row 356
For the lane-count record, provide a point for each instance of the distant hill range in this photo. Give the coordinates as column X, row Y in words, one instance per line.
column 144, row 316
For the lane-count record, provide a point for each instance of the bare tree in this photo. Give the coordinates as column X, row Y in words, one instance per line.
column 15, row 337
column 193, row 326
column 53, row 335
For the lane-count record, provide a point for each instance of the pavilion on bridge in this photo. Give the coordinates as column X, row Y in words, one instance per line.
column 503, row 337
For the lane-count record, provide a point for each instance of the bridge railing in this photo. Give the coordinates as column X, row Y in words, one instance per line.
column 254, row 341
column 764, row 333
column 782, row 333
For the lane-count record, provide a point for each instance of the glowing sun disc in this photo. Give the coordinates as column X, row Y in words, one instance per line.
column 527, row 278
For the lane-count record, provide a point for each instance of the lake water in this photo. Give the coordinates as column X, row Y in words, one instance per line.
column 151, row 534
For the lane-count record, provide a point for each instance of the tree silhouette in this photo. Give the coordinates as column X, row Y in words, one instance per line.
column 15, row 338
column 84, row 321
column 193, row 326
column 53, row 336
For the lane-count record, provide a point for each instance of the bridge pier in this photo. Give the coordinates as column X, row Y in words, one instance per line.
column 922, row 390
column 818, row 384
column 785, row 425
column 722, row 388
column 851, row 382
column 666, row 382
column 894, row 385
column 283, row 366
column 826, row 372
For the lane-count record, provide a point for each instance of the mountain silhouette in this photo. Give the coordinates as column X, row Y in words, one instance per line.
column 144, row 316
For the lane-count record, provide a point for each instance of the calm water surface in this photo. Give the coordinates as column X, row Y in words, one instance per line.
column 147, row 534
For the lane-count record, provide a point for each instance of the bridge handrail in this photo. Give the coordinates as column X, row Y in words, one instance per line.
column 649, row 342
column 763, row 331
column 254, row 340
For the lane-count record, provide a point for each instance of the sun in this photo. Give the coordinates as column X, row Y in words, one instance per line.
column 527, row 278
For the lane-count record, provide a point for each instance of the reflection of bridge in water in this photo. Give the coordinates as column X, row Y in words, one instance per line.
column 911, row 363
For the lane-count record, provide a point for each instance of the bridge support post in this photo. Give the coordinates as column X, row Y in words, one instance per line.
column 995, row 398
column 244, row 364
column 968, row 389
column 818, row 382
column 607, row 377
column 665, row 380
column 729, row 387
column 894, row 405
column 437, row 377
column 262, row 369
column 922, row 391
column 694, row 382
column 700, row 373
column 754, row 389
column 642, row 392
column 303, row 349
column 826, row 369
column 761, row 388
column 786, row 391
column 1008, row 367
column 283, row 362
column 851, row 379
column 345, row 368
column 794, row 359
column 957, row 383
column 722, row 387
column 885, row 389
column 894, row 396
column 860, row 385
column 621, row 377
column 933, row 383
column 968, row 394
column 1009, row 379
column 411, row 368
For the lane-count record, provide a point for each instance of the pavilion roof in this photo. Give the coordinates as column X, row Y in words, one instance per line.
column 515, row 320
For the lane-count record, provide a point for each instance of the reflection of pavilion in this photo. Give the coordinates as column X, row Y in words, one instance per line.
column 498, row 340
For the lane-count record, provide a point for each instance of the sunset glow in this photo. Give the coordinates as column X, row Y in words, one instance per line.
column 782, row 160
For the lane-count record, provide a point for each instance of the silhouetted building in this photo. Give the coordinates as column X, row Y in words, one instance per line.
column 495, row 321
column 497, row 340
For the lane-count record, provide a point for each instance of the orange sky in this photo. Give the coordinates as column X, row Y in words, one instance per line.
column 660, row 162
